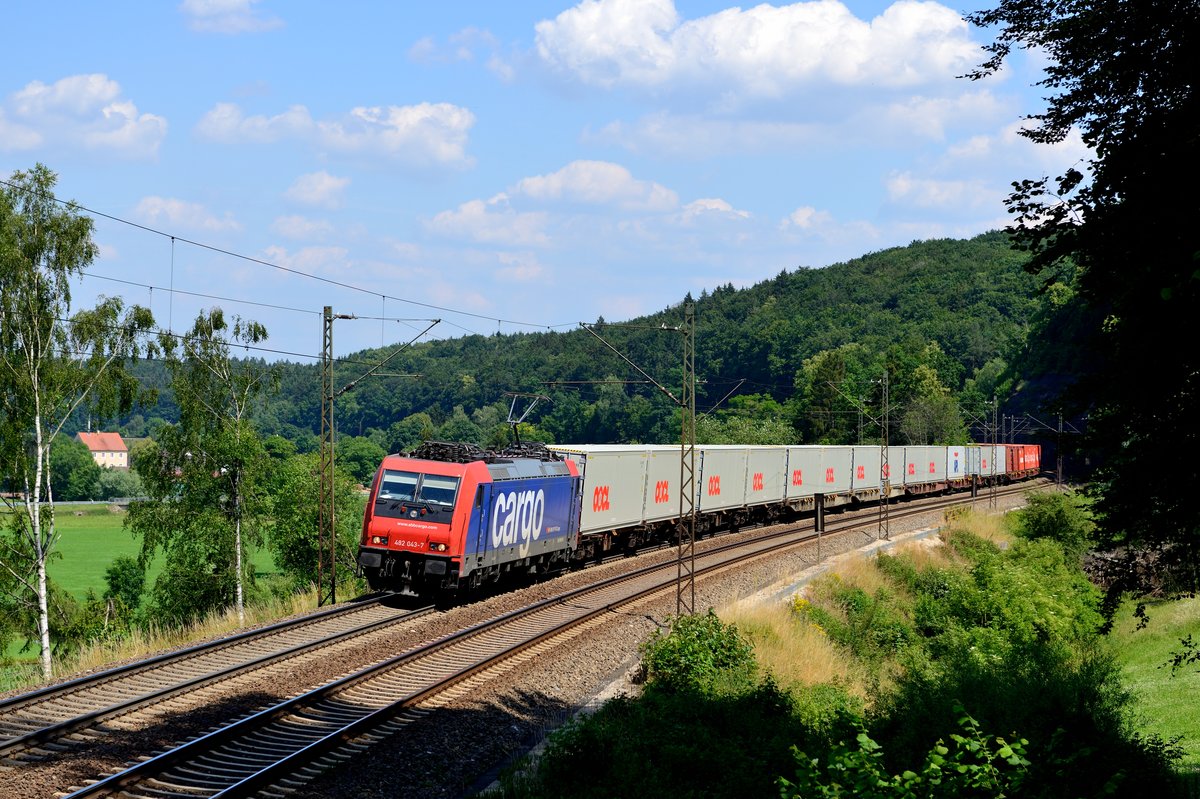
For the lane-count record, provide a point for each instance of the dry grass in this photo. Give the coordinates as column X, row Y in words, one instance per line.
column 141, row 644
column 796, row 652
column 987, row 526
column 927, row 553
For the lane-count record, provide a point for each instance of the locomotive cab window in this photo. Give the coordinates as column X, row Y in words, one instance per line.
column 438, row 490
column 405, row 494
column 397, row 485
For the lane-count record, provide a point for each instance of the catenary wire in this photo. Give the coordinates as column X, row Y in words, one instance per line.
column 280, row 267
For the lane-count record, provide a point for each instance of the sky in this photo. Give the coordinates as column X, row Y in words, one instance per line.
column 508, row 167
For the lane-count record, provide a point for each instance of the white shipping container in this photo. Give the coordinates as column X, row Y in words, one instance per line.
column 924, row 464
column 766, row 473
column 614, row 484
column 836, row 469
column 804, row 470
column 721, row 482
column 993, row 460
column 956, row 463
column 662, row 483
column 896, row 468
column 867, row 464
column 974, row 457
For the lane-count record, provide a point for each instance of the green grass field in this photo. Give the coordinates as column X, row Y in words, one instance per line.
column 1167, row 703
column 91, row 537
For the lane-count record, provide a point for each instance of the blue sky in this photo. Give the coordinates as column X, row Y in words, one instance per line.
column 520, row 165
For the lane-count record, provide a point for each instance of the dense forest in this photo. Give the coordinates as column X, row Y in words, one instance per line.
column 796, row 358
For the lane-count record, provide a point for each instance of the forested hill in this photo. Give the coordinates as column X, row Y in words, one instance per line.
column 944, row 316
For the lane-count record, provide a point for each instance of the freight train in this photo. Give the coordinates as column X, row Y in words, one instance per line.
column 455, row 516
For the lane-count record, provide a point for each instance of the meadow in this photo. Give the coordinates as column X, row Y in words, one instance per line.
column 1165, row 700
column 91, row 537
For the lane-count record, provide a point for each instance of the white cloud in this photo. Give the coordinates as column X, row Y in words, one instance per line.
column 226, row 123
column 1007, row 153
column 946, row 195
column 668, row 134
column 414, row 134
column 318, row 188
column 227, row 16
column 80, row 111
column 764, row 51
column 17, row 137
column 301, row 227
column 312, row 260
column 501, row 69
column 461, row 46
column 598, row 183
column 929, row 117
column 806, row 218
column 182, row 214
column 434, row 131
column 519, row 267
column 708, row 208
column 492, row 222
column 424, row 51
column 77, row 95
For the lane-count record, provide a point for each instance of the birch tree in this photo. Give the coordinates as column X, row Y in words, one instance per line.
column 52, row 363
column 207, row 479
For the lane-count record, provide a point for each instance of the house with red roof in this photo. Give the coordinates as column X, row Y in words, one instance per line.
column 107, row 449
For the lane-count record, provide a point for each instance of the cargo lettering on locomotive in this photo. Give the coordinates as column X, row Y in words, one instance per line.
column 518, row 516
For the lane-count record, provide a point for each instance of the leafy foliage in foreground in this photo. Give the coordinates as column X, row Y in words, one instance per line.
column 973, row 764
column 1122, row 77
column 989, row 681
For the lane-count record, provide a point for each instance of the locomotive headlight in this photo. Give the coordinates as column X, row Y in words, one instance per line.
column 437, row 547
column 381, row 540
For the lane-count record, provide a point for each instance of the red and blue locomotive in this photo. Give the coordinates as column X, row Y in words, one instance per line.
column 454, row 515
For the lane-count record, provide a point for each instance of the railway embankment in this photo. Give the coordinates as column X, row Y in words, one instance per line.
column 973, row 661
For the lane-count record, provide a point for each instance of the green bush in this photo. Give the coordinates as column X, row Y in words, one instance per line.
column 698, row 653
column 973, row 764
column 1065, row 518
column 678, row 743
column 875, row 627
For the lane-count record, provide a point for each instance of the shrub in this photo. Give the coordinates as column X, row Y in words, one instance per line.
column 698, row 652
column 972, row 765
column 1065, row 518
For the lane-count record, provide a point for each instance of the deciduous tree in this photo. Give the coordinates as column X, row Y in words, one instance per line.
column 1123, row 76
column 206, row 483
column 53, row 361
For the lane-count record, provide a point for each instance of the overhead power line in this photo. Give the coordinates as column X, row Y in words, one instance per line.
column 290, row 270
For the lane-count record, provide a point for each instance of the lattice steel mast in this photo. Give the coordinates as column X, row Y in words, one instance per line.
column 685, row 584
column 326, row 530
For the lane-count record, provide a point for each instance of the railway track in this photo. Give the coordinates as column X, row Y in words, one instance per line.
column 279, row 749
column 35, row 724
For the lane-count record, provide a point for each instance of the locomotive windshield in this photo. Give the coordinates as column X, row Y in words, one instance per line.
column 402, row 492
